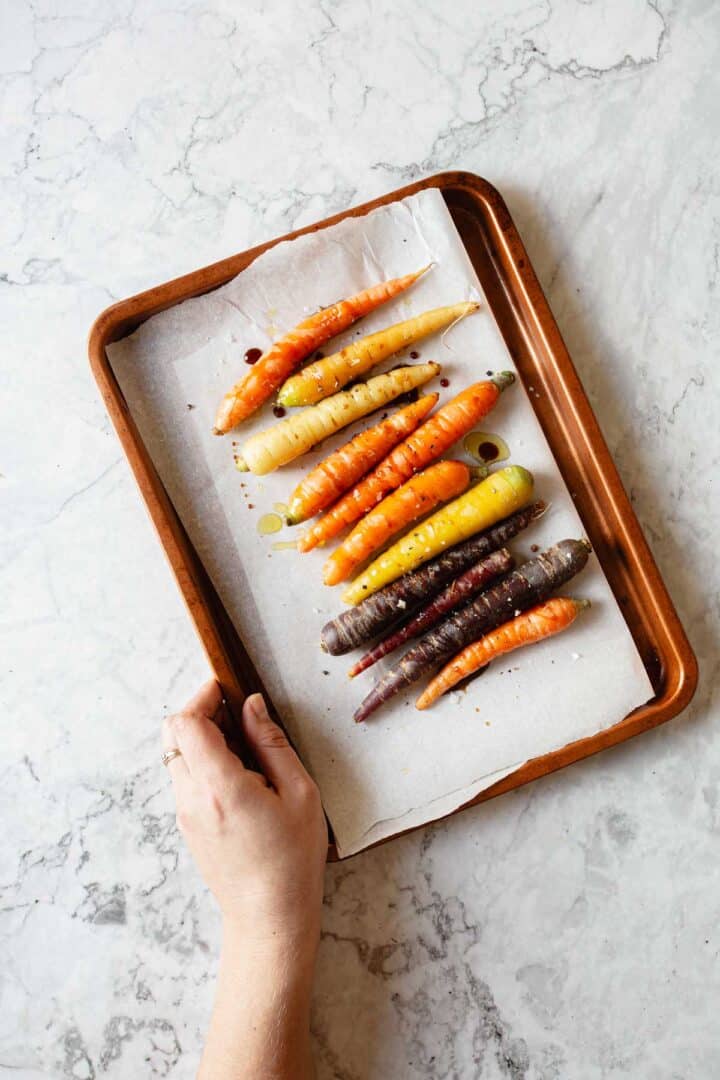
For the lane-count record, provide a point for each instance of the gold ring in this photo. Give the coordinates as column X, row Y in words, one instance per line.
column 170, row 755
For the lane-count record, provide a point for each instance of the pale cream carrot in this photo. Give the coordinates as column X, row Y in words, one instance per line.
column 288, row 439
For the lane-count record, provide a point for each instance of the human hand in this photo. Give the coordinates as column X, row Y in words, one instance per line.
column 259, row 840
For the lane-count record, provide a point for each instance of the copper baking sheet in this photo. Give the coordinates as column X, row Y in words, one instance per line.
column 538, row 351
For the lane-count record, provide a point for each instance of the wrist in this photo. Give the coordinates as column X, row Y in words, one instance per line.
column 272, row 944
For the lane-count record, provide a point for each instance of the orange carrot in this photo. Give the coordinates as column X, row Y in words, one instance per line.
column 416, row 497
column 533, row 625
column 287, row 352
column 343, row 468
column 431, row 440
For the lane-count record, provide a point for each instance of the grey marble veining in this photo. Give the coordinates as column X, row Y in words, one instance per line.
column 565, row 932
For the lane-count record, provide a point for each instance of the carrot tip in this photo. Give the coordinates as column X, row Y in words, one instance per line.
column 218, row 431
column 503, row 379
column 582, row 604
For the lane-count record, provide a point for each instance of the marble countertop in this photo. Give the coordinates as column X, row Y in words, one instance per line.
column 568, row 930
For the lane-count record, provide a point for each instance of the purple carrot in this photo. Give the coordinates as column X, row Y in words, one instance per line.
column 379, row 612
column 453, row 595
column 530, row 584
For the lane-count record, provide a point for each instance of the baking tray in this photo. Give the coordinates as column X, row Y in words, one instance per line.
column 542, row 360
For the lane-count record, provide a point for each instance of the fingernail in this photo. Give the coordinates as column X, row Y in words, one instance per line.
column 256, row 704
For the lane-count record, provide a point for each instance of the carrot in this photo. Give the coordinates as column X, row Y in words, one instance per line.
column 430, row 440
column 418, row 496
column 328, row 376
column 287, row 440
column 379, row 612
column 287, row 352
column 492, row 499
column 343, row 468
column 453, row 595
column 530, row 584
column 531, row 626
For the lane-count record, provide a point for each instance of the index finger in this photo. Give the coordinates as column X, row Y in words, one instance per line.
column 200, row 740
column 207, row 702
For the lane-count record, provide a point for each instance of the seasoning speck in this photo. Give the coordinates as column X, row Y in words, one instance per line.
column 278, row 411
column 414, row 354
column 190, row 407
column 444, row 382
column 534, row 547
column 252, row 356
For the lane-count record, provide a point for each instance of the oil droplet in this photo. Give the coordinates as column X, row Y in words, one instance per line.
column 281, row 509
column 284, row 545
column 252, row 356
column 269, row 523
column 485, row 447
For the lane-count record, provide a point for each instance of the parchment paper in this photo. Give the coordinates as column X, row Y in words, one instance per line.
column 404, row 767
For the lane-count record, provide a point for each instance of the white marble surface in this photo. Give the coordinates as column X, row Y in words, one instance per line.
column 568, row 930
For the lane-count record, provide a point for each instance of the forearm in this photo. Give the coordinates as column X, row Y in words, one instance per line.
column 260, row 1026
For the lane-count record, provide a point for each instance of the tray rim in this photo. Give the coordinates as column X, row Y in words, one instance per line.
column 120, row 318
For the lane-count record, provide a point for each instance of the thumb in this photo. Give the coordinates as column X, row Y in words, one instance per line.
column 274, row 754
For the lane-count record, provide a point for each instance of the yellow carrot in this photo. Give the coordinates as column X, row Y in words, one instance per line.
column 540, row 622
column 500, row 495
column 417, row 497
column 287, row 352
column 287, row 440
column 327, row 376
column 344, row 467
